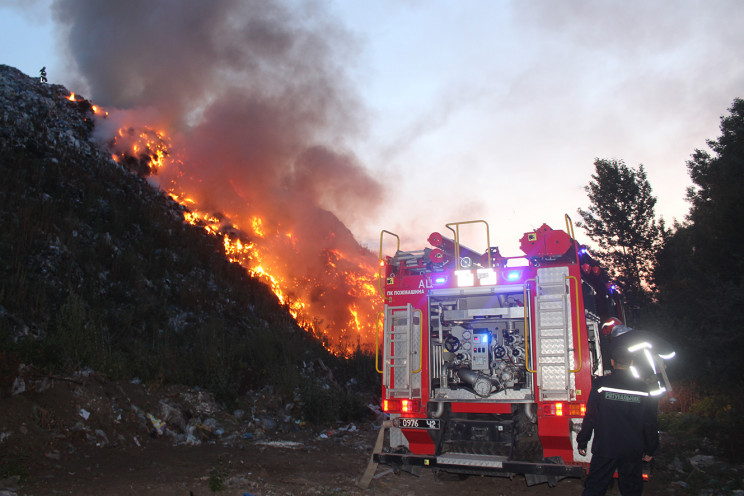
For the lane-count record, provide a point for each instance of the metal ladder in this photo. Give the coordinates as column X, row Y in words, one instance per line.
column 402, row 341
column 553, row 334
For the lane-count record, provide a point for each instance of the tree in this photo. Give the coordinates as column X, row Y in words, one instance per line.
column 621, row 221
column 700, row 272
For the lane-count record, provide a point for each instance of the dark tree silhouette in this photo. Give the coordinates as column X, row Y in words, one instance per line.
column 700, row 270
column 621, row 221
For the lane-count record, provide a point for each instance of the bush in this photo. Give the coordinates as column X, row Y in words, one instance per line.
column 717, row 416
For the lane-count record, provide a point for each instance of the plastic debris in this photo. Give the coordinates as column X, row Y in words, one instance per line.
column 158, row 424
column 84, row 413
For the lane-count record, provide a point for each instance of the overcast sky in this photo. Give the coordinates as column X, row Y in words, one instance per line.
column 496, row 110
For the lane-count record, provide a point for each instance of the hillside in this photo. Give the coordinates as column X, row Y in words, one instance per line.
column 99, row 270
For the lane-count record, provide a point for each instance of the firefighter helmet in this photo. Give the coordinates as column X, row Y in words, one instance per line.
column 609, row 325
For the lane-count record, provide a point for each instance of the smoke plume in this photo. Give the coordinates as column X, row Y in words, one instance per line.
column 256, row 100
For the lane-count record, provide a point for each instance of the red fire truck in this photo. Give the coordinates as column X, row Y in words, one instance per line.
column 487, row 360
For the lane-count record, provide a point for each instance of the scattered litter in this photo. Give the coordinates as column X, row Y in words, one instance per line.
column 702, row 461
column 84, row 413
column 281, row 444
column 158, row 424
column 18, row 387
column 53, row 455
column 327, row 434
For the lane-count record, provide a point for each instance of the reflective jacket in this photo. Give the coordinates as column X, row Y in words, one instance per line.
column 622, row 415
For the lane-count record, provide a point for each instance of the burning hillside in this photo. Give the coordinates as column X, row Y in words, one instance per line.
column 243, row 112
column 100, row 270
column 304, row 253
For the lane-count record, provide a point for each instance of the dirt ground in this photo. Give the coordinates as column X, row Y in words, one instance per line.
column 85, row 436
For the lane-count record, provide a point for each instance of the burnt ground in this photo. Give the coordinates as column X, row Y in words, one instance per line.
column 84, row 435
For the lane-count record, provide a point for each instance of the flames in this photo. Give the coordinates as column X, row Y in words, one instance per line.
column 338, row 304
column 256, row 248
column 144, row 151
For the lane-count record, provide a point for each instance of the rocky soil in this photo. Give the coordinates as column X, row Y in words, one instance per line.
column 86, row 435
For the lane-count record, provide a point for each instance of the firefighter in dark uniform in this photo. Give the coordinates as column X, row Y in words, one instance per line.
column 622, row 416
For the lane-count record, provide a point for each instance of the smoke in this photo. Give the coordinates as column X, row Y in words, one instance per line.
column 261, row 86
column 256, row 98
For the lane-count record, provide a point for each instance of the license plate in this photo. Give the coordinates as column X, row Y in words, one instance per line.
column 418, row 423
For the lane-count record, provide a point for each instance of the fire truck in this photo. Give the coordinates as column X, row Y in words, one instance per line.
column 486, row 360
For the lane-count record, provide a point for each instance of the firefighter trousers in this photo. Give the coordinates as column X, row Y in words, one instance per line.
column 601, row 470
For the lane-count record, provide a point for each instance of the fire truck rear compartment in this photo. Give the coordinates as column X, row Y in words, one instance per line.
column 478, row 347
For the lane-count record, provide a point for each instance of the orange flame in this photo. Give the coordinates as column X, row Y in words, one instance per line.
column 256, row 249
column 148, row 147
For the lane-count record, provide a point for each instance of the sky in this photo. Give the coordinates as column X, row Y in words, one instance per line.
column 492, row 110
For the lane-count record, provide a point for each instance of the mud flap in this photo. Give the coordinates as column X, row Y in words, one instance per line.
column 552, row 480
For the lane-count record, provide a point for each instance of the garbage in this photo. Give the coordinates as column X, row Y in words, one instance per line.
column 327, row 434
column 101, row 438
column 18, row 387
column 281, row 444
column 702, row 461
column 84, row 413
column 173, row 415
column 158, row 424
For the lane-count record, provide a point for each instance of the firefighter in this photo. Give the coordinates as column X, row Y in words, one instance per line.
column 649, row 353
column 622, row 416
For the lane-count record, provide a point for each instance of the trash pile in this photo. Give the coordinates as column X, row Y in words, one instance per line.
column 60, row 412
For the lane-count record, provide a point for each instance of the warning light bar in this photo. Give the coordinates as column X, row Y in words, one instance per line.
column 484, row 277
